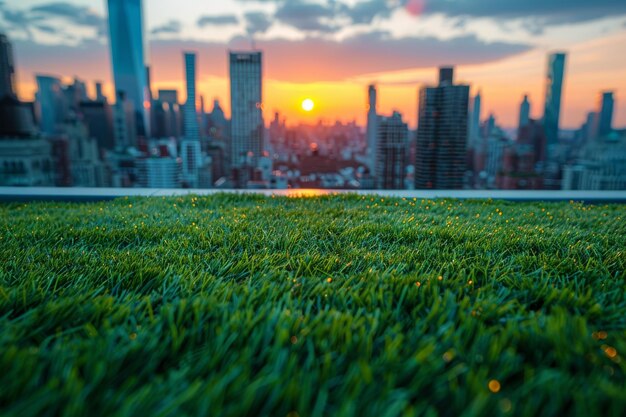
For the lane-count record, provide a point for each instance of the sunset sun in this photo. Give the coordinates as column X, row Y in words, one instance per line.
column 307, row 105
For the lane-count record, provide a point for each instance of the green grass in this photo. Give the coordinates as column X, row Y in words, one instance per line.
column 343, row 305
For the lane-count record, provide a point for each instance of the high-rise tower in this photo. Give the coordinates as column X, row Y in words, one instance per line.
column 190, row 147
column 246, row 100
column 391, row 152
column 372, row 129
column 126, row 30
column 554, row 92
column 524, row 113
column 442, row 134
column 605, row 114
column 50, row 104
column 474, row 128
column 7, row 68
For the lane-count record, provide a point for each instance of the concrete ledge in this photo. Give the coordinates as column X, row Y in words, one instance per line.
column 19, row 194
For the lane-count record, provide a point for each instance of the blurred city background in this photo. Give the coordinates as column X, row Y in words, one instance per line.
column 336, row 94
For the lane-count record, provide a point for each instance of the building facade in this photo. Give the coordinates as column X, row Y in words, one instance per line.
column 372, row 129
column 391, row 153
column 50, row 104
column 128, row 57
column 7, row 68
column 554, row 92
column 247, row 128
column 442, row 134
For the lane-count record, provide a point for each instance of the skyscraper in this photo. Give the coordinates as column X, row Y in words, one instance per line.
column 474, row 129
column 190, row 147
column 128, row 57
column 524, row 113
column 246, row 95
column 191, row 119
column 554, row 90
column 50, row 104
column 7, row 68
column 442, row 134
column 605, row 114
column 372, row 130
column 168, row 115
column 391, row 152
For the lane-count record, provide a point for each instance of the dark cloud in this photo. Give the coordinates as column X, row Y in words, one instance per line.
column 173, row 26
column 547, row 12
column 33, row 18
column 257, row 22
column 78, row 15
column 47, row 28
column 328, row 16
column 367, row 11
column 19, row 20
column 217, row 20
column 307, row 16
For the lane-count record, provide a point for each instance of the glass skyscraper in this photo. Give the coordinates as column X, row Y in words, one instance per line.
column 128, row 57
column 372, row 130
column 442, row 134
column 7, row 68
column 50, row 104
column 605, row 113
column 190, row 147
column 246, row 98
column 554, row 90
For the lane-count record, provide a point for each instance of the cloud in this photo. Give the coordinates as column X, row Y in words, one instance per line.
column 78, row 15
column 547, row 12
column 309, row 60
column 366, row 11
column 307, row 16
column 33, row 18
column 318, row 59
column 257, row 22
column 173, row 26
column 46, row 28
column 217, row 20
column 19, row 20
column 328, row 16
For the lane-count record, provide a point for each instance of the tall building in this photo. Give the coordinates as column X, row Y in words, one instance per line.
column 191, row 151
column 128, row 57
column 442, row 134
column 554, row 91
column 474, row 129
column 50, row 104
column 190, row 113
column 167, row 114
column 99, row 95
column 524, row 113
column 372, row 130
column 7, row 68
column 391, row 153
column 98, row 117
column 247, row 129
column 124, row 129
column 605, row 114
column 25, row 158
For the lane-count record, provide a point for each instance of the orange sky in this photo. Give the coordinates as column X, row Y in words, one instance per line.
column 502, row 85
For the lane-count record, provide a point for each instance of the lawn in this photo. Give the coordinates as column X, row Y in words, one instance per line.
column 341, row 305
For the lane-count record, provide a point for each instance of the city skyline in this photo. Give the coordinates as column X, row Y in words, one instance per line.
column 485, row 55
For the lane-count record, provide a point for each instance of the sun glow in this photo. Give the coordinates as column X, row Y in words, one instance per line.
column 307, row 105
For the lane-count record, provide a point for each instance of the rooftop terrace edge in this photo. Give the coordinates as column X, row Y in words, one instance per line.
column 79, row 194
